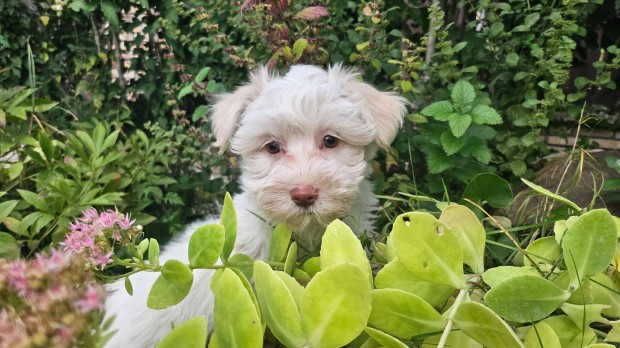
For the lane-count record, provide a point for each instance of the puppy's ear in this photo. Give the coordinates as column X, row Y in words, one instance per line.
column 229, row 108
column 383, row 109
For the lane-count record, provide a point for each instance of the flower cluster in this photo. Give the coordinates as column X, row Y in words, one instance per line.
column 90, row 235
column 49, row 301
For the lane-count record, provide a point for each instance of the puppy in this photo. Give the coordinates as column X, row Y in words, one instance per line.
column 305, row 140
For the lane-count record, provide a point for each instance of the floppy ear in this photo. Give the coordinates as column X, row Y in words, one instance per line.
column 383, row 109
column 229, row 107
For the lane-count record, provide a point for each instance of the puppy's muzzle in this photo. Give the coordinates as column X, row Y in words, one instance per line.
column 305, row 196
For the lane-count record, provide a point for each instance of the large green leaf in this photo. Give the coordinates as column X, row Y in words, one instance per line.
column 439, row 110
column 340, row 245
column 463, row 93
column 428, row 249
column 165, row 294
column 236, row 319
column 205, row 245
column 395, row 275
column 484, row 326
column 488, row 188
column 278, row 306
column 459, row 124
column 589, row 245
column 470, row 232
column 542, row 335
column 403, row 315
column 525, row 298
column 190, row 334
column 335, row 306
column 228, row 219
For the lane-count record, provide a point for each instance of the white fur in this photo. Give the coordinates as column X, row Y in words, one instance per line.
column 297, row 110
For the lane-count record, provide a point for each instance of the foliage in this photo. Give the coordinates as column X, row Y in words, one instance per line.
column 431, row 280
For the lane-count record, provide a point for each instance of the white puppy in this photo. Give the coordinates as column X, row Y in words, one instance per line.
column 305, row 140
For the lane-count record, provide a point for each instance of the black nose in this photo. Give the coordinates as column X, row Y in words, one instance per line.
column 305, row 196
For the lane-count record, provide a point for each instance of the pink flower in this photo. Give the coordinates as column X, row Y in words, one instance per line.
column 92, row 300
column 89, row 215
column 17, row 277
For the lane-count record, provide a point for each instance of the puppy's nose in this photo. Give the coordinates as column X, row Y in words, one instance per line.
column 305, row 196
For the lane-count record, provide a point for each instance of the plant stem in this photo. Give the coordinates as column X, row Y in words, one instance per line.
column 448, row 328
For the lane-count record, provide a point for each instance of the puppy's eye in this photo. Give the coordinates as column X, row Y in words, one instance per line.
column 273, row 147
column 330, row 141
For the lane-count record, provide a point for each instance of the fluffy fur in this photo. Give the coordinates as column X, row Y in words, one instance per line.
column 292, row 113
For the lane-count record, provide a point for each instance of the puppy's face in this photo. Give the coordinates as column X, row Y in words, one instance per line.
column 305, row 139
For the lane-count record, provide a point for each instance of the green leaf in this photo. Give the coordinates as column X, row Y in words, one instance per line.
column 428, row 249
column 551, row 195
column 291, row 259
column 585, row 314
column 187, row 89
column 154, row 252
column 484, row 326
column 278, row 244
column 278, row 306
column 531, row 19
column 570, row 335
column 452, row 144
column 10, row 249
column 205, row 245
column 544, row 250
column 403, row 315
column 34, row 200
column 335, row 306
column 165, row 294
column 177, row 272
column 339, row 245
column 228, row 219
column 470, row 233
column 459, row 46
column 202, row 74
column 525, row 298
column 240, row 258
column 459, row 124
column 384, row 339
column 496, row 275
column 512, row 59
column 299, row 47
column 7, row 207
column 110, row 11
column 463, row 93
column 542, row 335
column 395, row 275
column 483, row 114
column 487, row 188
column 233, row 304
column 441, row 110
column 200, row 112
column 128, row 286
column 110, row 198
column 589, row 245
column 456, row 339
column 190, row 334
column 15, row 169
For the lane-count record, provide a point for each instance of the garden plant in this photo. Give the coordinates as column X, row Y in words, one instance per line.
column 104, row 156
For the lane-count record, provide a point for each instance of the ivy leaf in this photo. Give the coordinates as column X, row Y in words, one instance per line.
column 452, row 144
column 483, row 114
column 463, row 93
column 459, row 124
column 440, row 110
